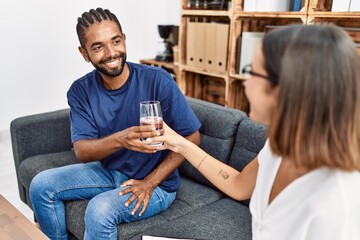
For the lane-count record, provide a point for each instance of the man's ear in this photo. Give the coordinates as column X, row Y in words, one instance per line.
column 84, row 54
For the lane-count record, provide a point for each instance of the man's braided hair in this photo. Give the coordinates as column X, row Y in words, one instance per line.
column 91, row 17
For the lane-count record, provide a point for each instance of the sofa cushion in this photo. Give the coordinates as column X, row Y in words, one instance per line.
column 219, row 125
column 35, row 164
column 250, row 139
column 223, row 219
column 191, row 196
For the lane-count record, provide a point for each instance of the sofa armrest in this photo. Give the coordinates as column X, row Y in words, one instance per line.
column 39, row 134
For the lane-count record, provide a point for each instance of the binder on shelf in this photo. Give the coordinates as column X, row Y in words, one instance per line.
column 249, row 5
column 272, row 5
column 210, row 46
column 221, row 47
column 295, row 5
column 354, row 6
column 190, row 43
column 249, row 43
column 207, row 45
column 340, row 5
column 199, row 44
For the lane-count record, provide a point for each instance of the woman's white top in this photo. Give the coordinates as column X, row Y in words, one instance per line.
column 323, row 204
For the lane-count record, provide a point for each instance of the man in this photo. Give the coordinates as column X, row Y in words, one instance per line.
column 125, row 178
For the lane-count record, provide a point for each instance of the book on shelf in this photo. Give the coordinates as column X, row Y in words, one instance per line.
column 295, row 5
column 340, row 5
column 354, row 6
column 249, row 5
column 267, row 5
column 249, row 42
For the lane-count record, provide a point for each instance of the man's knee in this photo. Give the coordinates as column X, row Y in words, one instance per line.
column 99, row 212
column 42, row 184
column 37, row 184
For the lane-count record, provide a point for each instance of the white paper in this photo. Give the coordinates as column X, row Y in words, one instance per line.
column 272, row 5
column 250, row 5
column 355, row 6
column 249, row 42
column 341, row 5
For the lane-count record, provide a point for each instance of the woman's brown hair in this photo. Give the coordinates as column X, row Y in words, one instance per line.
column 317, row 120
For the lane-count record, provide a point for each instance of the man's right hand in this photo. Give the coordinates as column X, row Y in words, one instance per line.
column 88, row 150
column 138, row 138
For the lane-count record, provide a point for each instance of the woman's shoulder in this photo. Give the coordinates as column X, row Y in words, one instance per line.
column 338, row 194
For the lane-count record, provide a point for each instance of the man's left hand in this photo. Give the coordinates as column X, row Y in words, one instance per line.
column 141, row 190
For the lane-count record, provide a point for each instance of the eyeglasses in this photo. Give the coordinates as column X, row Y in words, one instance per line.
column 248, row 70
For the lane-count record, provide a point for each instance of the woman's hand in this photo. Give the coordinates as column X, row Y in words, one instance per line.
column 171, row 139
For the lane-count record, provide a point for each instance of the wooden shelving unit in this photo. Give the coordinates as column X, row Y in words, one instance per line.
column 225, row 87
column 319, row 12
column 168, row 66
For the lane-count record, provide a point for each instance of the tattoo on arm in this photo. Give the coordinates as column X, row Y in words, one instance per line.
column 223, row 174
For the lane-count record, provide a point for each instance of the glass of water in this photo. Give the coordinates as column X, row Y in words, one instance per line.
column 151, row 114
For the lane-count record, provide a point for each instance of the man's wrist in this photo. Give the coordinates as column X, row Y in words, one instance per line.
column 152, row 183
column 118, row 138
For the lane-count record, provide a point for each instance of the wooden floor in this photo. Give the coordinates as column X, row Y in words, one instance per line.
column 8, row 181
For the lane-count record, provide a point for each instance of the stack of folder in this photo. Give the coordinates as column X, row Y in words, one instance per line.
column 207, row 45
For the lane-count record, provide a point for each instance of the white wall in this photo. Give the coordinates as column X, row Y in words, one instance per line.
column 38, row 47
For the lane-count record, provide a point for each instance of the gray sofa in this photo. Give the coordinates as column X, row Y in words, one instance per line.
column 200, row 211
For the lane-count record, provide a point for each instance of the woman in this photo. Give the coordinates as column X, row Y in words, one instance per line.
column 304, row 184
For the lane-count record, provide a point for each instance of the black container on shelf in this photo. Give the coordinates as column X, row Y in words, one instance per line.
column 218, row 4
column 169, row 34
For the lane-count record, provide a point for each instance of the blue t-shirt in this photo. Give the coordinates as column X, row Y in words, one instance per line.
column 96, row 112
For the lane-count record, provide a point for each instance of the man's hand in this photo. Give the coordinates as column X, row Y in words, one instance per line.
column 130, row 138
column 141, row 190
column 88, row 150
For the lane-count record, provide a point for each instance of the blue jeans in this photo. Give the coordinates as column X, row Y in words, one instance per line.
column 49, row 189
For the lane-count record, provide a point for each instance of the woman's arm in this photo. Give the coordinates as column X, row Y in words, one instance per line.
column 238, row 185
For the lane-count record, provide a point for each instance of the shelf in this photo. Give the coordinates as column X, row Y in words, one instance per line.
column 351, row 20
column 271, row 15
column 214, row 13
column 168, row 66
column 204, row 71
column 198, row 81
column 239, row 7
column 153, row 62
column 349, row 15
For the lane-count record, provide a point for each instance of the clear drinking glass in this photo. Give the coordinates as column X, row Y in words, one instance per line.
column 150, row 114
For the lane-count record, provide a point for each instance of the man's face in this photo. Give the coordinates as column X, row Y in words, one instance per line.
column 105, row 48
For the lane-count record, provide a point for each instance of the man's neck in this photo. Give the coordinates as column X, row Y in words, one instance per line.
column 113, row 83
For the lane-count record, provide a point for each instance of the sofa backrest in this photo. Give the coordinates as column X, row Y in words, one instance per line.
column 39, row 134
column 250, row 139
column 218, row 130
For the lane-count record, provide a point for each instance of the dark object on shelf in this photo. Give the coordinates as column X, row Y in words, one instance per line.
column 218, row 4
column 170, row 35
column 208, row 4
column 197, row 4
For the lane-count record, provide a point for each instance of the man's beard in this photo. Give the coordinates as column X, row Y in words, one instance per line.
column 111, row 72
